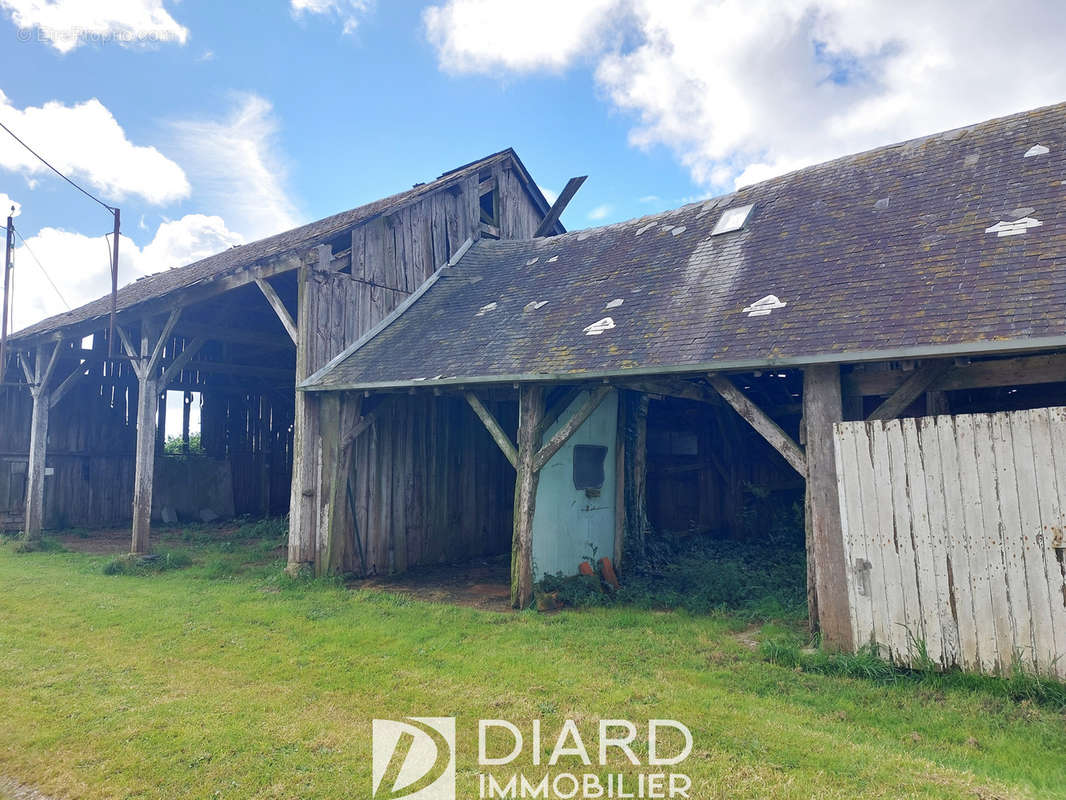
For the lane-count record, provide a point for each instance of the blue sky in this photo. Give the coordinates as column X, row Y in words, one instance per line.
column 250, row 118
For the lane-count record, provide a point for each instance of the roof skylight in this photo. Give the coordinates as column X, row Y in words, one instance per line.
column 732, row 219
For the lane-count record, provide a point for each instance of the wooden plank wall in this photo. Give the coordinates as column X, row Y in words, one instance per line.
column 430, row 485
column 704, row 491
column 92, row 433
column 950, row 526
column 90, row 449
column 390, row 257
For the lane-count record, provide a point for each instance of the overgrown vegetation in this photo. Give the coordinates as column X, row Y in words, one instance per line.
column 754, row 582
column 758, row 576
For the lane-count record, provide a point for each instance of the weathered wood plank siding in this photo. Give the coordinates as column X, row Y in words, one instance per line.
column 92, row 433
column 429, row 485
column 413, row 507
column 950, row 533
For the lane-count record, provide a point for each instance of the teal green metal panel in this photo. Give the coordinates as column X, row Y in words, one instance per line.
column 568, row 525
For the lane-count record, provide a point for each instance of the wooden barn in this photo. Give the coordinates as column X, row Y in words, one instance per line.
column 82, row 422
column 885, row 333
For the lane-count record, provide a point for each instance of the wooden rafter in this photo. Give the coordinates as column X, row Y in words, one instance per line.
column 1017, row 371
column 561, row 403
column 160, row 342
column 919, row 381
column 551, row 447
column 182, row 359
column 79, row 372
column 272, row 296
column 674, row 387
column 560, row 204
column 361, row 424
column 493, row 427
column 757, row 418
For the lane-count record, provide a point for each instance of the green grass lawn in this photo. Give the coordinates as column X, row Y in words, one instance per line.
column 225, row 679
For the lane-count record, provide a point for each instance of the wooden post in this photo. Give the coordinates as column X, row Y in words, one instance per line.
column 147, row 412
column 302, row 505
column 145, row 362
column 42, row 402
column 634, row 409
column 530, row 413
column 339, row 425
column 186, row 413
column 821, row 408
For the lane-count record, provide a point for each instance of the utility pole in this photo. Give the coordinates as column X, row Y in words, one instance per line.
column 8, row 250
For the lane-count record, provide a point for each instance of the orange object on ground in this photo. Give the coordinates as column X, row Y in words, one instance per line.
column 607, row 571
column 585, row 568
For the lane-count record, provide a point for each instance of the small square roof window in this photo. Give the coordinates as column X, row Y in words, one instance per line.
column 732, row 219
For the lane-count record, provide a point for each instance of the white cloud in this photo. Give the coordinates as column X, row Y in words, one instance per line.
column 600, row 212
column 237, row 167
column 741, row 90
column 80, row 265
column 85, row 141
column 349, row 12
column 487, row 35
column 65, row 24
column 6, row 202
column 549, row 195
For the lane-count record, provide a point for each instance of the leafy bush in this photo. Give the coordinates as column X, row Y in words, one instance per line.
column 175, row 445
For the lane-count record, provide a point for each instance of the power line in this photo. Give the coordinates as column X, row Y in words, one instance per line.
column 43, row 270
column 56, row 171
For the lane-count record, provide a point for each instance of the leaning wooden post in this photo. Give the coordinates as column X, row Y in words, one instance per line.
column 821, row 408
column 530, row 413
column 35, row 471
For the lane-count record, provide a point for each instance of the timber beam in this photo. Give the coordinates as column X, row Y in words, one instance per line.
column 213, row 333
column 919, row 381
column 493, row 427
column 276, row 303
column 38, row 378
column 560, row 204
column 758, row 419
column 674, row 387
column 528, row 458
column 569, row 428
column 826, row 570
column 1017, row 371
column 146, row 362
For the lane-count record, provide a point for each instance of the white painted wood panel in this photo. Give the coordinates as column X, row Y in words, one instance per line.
column 950, row 526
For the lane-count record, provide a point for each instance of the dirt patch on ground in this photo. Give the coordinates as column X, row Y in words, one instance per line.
column 116, row 541
column 482, row 583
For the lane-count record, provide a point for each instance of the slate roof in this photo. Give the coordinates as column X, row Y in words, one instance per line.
column 884, row 254
column 235, row 259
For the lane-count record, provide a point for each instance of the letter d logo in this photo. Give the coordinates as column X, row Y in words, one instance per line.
column 414, row 760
